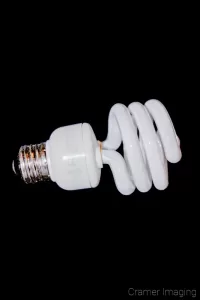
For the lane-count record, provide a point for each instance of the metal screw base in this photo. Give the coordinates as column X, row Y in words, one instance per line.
column 31, row 163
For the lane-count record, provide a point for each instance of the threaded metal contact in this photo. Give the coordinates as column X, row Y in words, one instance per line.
column 32, row 163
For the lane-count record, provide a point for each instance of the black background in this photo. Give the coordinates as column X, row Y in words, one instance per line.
column 59, row 78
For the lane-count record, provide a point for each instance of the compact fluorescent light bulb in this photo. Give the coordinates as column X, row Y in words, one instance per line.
column 73, row 158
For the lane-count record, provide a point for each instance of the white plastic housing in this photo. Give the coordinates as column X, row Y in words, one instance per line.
column 74, row 157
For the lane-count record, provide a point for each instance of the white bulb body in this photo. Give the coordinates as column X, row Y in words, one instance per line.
column 74, row 157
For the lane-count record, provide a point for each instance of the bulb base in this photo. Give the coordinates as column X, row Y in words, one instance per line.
column 32, row 164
